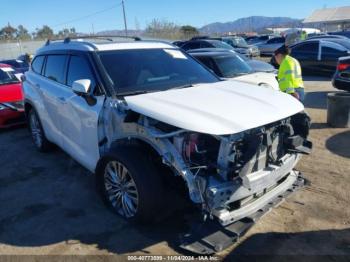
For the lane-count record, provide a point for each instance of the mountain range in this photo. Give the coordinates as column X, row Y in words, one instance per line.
column 247, row 24
column 250, row 24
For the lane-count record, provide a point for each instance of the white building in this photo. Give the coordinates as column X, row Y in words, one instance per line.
column 330, row 19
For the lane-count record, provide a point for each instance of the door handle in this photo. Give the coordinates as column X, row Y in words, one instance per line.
column 62, row 100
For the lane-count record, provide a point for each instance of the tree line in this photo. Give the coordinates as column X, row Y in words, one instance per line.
column 156, row 29
column 10, row 33
column 168, row 30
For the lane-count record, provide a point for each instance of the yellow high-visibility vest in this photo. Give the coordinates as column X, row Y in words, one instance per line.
column 289, row 75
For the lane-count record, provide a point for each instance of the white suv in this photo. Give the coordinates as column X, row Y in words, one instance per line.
column 136, row 113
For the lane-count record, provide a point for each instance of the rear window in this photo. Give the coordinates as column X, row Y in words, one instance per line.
column 37, row 64
column 232, row 66
column 55, row 68
column 7, row 76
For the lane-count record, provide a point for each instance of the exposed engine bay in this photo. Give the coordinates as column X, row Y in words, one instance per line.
column 230, row 177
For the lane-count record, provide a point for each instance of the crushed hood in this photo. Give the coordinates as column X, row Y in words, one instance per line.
column 226, row 107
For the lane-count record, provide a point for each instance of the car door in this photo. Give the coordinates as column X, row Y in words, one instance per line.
column 307, row 54
column 330, row 53
column 80, row 115
column 50, row 89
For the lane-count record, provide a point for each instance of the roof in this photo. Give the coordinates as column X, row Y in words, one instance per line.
column 85, row 45
column 330, row 15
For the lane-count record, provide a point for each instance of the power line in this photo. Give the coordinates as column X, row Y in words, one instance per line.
column 87, row 16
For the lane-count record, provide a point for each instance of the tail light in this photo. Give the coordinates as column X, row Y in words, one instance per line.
column 342, row 67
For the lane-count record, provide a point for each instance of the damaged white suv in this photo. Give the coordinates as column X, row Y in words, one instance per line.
column 136, row 112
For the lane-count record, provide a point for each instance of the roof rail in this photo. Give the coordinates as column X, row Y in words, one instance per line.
column 102, row 37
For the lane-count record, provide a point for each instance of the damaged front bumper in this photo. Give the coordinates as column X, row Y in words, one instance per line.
column 211, row 236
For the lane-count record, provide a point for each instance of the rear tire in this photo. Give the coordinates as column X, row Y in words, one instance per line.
column 38, row 135
column 130, row 184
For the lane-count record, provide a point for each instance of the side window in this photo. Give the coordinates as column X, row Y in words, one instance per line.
column 55, row 68
column 206, row 45
column 332, row 53
column 78, row 69
column 307, row 50
column 37, row 64
column 278, row 40
column 191, row 45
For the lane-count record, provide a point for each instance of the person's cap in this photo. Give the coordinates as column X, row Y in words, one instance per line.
column 283, row 50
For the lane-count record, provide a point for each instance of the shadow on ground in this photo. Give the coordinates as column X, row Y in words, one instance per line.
column 48, row 198
column 317, row 78
column 303, row 246
column 316, row 100
column 340, row 144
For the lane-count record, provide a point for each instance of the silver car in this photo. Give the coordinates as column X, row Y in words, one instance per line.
column 270, row 46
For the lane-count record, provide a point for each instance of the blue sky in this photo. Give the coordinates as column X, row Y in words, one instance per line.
column 85, row 14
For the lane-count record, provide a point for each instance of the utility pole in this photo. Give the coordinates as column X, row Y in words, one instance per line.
column 126, row 28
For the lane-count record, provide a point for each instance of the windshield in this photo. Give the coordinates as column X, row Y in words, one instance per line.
column 7, row 76
column 236, row 42
column 220, row 44
column 147, row 70
column 232, row 66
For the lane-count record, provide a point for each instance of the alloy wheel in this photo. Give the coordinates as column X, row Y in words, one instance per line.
column 121, row 189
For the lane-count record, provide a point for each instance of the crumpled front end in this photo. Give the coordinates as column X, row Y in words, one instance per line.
column 230, row 178
column 239, row 174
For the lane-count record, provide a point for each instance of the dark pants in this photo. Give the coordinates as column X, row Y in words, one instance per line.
column 301, row 93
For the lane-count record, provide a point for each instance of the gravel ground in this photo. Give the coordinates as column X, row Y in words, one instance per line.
column 49, row 205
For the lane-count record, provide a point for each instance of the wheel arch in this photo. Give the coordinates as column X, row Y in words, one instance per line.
column 152, row 151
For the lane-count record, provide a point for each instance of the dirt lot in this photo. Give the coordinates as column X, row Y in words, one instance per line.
column 49, row 205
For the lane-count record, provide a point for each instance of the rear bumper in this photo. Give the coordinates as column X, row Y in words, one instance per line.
column 341, row 84
column 9, row 118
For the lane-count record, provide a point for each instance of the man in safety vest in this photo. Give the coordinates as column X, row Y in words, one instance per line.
column 303, row 36
column 289, row 74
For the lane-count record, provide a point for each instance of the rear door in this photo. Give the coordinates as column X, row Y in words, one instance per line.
column 330, row 53
column 308, row 55
column 50, row 88
column 80, row 115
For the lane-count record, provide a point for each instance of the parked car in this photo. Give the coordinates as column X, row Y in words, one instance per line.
column 270, row 46
column 11, row 98
column 240, row 45
column 231, row 66
column 256, row 65
column 179, row 43
column 341, row 78
column 253, row 40
column 205, row 43
column 343, row 33
column 327, row 37
column 320, row 56
column 19, row 65
column 143, row 114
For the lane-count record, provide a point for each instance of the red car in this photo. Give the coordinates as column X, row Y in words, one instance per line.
column 11, row 98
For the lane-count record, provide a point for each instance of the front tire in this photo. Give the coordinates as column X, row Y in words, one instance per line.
column 38, row 136
column 130, row 184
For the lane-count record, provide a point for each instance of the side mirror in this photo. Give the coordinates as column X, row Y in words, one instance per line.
column 81, row 87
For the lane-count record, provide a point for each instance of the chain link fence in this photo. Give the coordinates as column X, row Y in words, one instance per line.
column 11, row 50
